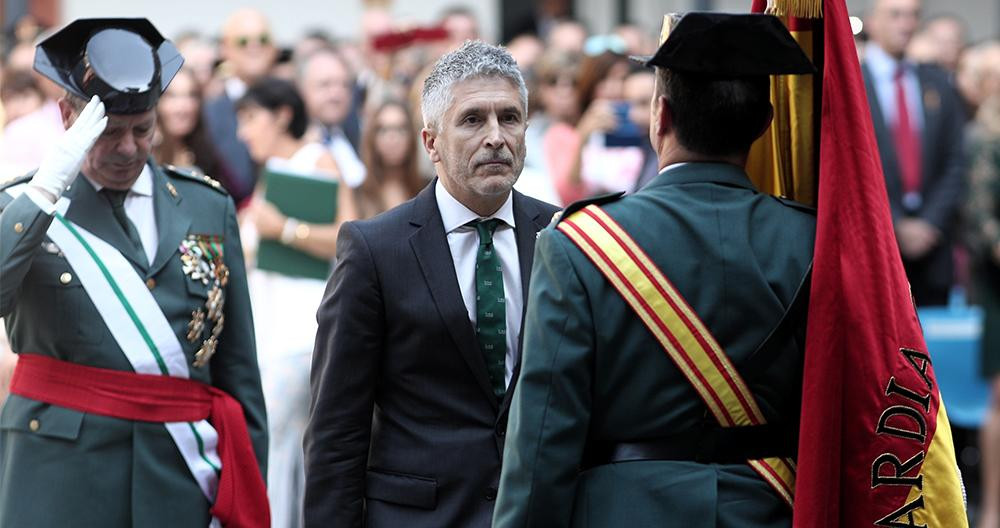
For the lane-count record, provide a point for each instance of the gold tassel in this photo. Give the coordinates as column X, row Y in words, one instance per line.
column 795, row 8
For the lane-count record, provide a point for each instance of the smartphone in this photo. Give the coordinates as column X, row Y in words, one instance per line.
column 627, row 134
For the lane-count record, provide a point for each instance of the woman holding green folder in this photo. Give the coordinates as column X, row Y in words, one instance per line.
column 272, row 121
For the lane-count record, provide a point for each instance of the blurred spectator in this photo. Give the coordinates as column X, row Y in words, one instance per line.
column 314, row 40
column 637, row 41
column 526, row 49
column 200, row 56
column 601, row 92
column 389, row 148
column 978, row 74
column 940, row 42
column 545, row 17
column 20, row 94
column 327, row 86
column 33, row 123
column 983, row 213
column 283, row 67
column 182, row 138
column 461, row 24
column 566, row 35
column 248, row 50
column 272, row 122
column 550, row 139
column 918, row 122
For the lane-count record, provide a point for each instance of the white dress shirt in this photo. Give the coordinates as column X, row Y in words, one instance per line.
column 139, row 209
column 352, row 169
column 883, row 70
column 463, row 241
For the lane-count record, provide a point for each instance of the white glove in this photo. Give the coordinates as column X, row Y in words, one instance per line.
column 62, row 162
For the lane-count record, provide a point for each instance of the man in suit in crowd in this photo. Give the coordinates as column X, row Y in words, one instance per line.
column 631, row 374
column 249, row 52
column 418, row 345
column 327, row 86
column 919, row 119
column 124, row 294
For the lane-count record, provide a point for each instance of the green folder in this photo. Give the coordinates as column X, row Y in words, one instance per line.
column 307, row 198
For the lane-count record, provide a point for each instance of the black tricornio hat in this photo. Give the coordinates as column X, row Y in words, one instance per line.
column 728, row 45
column 124, row 61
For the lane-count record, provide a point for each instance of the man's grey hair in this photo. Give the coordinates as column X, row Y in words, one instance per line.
column 474, row 59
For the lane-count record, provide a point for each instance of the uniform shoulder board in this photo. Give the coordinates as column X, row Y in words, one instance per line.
column 7, row 184
column 600, row 199
column 788, row 202
column 190, row 174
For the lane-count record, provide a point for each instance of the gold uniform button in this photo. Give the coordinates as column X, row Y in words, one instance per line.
column 19, row 227
column 34, row 425
column 150, row 283
column 66, row 278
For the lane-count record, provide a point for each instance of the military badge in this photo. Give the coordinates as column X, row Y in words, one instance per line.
column 202, row 261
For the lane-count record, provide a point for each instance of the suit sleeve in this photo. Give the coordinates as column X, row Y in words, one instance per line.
column 343, row 382
column 23, row 225
column 550, row 409
column 943, row 199
column 234, row 367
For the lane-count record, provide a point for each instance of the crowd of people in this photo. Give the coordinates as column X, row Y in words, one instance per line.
column 349, row 111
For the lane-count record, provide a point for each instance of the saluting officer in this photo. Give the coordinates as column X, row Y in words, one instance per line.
column 661, row 371
column 136, row 400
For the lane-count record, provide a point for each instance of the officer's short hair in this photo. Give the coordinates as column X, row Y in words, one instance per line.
column 474, row 59
column 715, row 116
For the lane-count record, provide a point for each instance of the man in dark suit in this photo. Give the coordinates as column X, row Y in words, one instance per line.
column 419, row 332
column 248, row 49
column 919, row 121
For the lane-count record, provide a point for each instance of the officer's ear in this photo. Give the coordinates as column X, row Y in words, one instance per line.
column 662, row 122
column 68, row 111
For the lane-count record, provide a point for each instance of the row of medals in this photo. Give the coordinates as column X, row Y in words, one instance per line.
column 201, row 257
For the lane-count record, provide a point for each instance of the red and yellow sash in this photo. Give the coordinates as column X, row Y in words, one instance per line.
column 677, row 328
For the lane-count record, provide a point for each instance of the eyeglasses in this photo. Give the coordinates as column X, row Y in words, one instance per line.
column 245, row 40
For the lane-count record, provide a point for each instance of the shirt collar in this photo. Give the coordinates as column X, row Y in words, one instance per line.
column 235, row 88
column 143, row 185
column 881, row 64
column 455, row 214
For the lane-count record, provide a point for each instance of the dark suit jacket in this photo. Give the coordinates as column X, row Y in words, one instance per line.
column 219, row 114
column 942, row 176
column 405, row 429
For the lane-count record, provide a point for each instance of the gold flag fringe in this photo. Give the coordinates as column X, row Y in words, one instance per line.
column 796, row 8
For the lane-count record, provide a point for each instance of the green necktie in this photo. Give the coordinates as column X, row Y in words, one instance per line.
column 491, row 308
column 117, row 200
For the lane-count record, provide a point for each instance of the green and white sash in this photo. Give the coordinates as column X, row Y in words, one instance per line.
column 140, row 328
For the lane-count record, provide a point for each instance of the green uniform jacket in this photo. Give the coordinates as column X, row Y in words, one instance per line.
column 591, row 371
column 60, row 467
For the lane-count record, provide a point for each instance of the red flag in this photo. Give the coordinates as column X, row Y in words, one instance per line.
column 875, row 447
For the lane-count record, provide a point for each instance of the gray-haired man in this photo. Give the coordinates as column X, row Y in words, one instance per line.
column 419, row 335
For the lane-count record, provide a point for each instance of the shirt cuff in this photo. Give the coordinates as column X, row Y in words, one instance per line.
column 40, row 200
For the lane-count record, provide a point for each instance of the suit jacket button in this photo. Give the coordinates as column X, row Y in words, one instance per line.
column 502, row 433
column 34, row 425
column 491, row 494
column 19, row 227
column 66, row 278
column 150, row 283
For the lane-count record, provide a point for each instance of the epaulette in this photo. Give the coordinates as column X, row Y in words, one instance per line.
column 788, row 202
column 197, row 176
column 17, row 180
column 600, row 199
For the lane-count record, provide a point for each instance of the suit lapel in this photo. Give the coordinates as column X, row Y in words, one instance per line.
column 92, row 212
column 430, row 245
column 930, row 102
column 171, row 222
column 887, row 149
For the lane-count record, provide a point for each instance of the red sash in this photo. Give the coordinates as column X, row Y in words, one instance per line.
column 241, row 501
